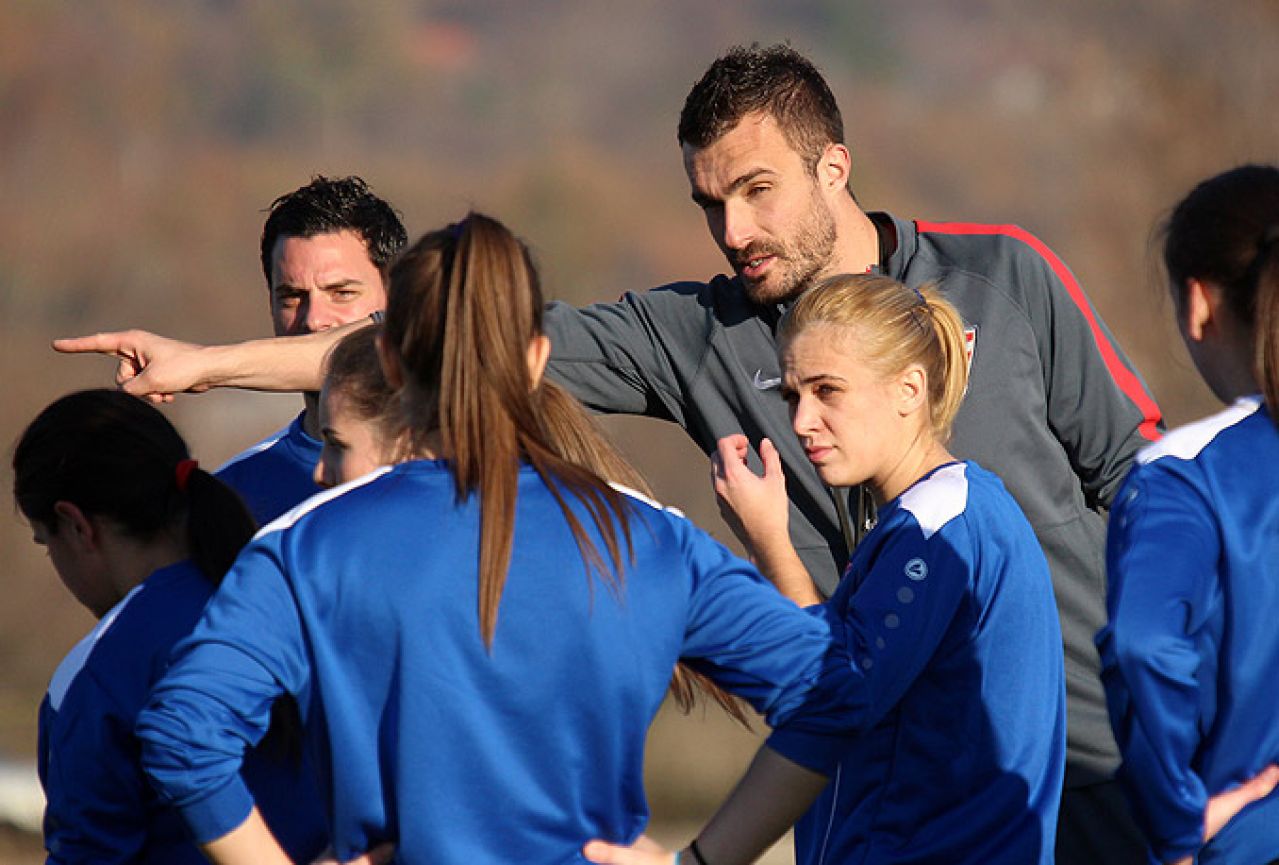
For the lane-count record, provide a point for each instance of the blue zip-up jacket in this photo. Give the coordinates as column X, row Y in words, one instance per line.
column 362, row 603
column 1191, row 652
column 100, row 807
column 958, row 745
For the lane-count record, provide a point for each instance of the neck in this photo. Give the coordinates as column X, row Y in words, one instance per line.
column 129, row 562
column 857, row 241
column 429, row 446
column 311, row 415
column 923, row 456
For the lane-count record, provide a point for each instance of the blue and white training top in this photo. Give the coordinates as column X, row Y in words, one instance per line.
column 101, row 808
column 958, row 751
column 1191, row 653
column 363, row 603
column 275, row 474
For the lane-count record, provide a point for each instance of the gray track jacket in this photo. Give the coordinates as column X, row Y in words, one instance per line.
column 1053, row 408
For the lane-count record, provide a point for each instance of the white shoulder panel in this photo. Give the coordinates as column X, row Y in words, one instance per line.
column 939, row 498
column 1186, row 442
column 75, row 660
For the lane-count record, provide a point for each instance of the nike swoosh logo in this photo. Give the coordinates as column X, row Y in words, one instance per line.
column 762, row 383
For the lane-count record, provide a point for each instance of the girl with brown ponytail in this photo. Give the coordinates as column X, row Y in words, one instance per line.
column 362, row 429
column 479, row 636
column 141, row 536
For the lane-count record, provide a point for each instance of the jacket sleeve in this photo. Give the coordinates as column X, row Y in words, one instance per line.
column 97, row 796
column 1161, row 560
column 1098, row 406
column 214, row 702
column 885, row 633
column 744, row 635
column 613, row 356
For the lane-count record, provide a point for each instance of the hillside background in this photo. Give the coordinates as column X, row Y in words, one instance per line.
column 140, row 142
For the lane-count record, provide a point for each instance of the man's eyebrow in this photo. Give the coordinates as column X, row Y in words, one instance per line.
column 703, row 200
column 328, row 286
column 341, row 283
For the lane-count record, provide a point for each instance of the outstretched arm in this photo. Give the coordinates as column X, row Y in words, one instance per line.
column 156, row 367
column 758, row 511
column 771, row 796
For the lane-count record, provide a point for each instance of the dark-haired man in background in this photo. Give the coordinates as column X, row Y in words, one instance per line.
column 325, row 248
column 1053, row 405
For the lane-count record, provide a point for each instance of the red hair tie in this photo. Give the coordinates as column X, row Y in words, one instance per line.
column 183, row 473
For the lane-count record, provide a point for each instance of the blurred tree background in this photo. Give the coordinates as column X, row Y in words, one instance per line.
column 140, row 143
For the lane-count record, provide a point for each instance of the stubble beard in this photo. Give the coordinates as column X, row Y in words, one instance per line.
column 805, row 256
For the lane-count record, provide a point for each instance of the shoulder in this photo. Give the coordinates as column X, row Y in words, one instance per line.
column 123, row 652
column 1007, row 258
column 327, row 503
column 278, row 444
column 966, row 508
column 675, row 303
column 971, row 243
column 937, row 499
column 1190, row 442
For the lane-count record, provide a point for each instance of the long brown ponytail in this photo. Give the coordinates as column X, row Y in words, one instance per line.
column 464, row 305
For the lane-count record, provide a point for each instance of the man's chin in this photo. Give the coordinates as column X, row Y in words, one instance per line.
column 767, row 293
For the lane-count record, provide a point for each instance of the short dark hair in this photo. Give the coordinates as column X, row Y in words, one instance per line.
column 327, row 205
column 777, row 81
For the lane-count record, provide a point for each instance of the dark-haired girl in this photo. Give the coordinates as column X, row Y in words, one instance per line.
column 1191, row 651
column 140, row 535
column 478, row 637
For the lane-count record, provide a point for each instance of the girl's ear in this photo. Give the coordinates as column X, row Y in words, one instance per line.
column 75, row 525
column 912, row 390
column 1200, row 311
column 539, row 352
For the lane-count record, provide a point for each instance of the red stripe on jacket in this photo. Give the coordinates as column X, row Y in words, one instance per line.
column 1123, row 377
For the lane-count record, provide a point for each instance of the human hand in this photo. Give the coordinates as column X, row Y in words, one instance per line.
column 645, row 851
column 379, row 855
column 1223, row 807
column 149, row 365
column 755, row 507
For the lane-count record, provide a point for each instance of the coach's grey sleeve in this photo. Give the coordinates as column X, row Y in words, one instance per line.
column 612, row 357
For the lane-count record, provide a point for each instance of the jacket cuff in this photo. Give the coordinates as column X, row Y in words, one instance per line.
column 216, row 814
column 817, row 752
